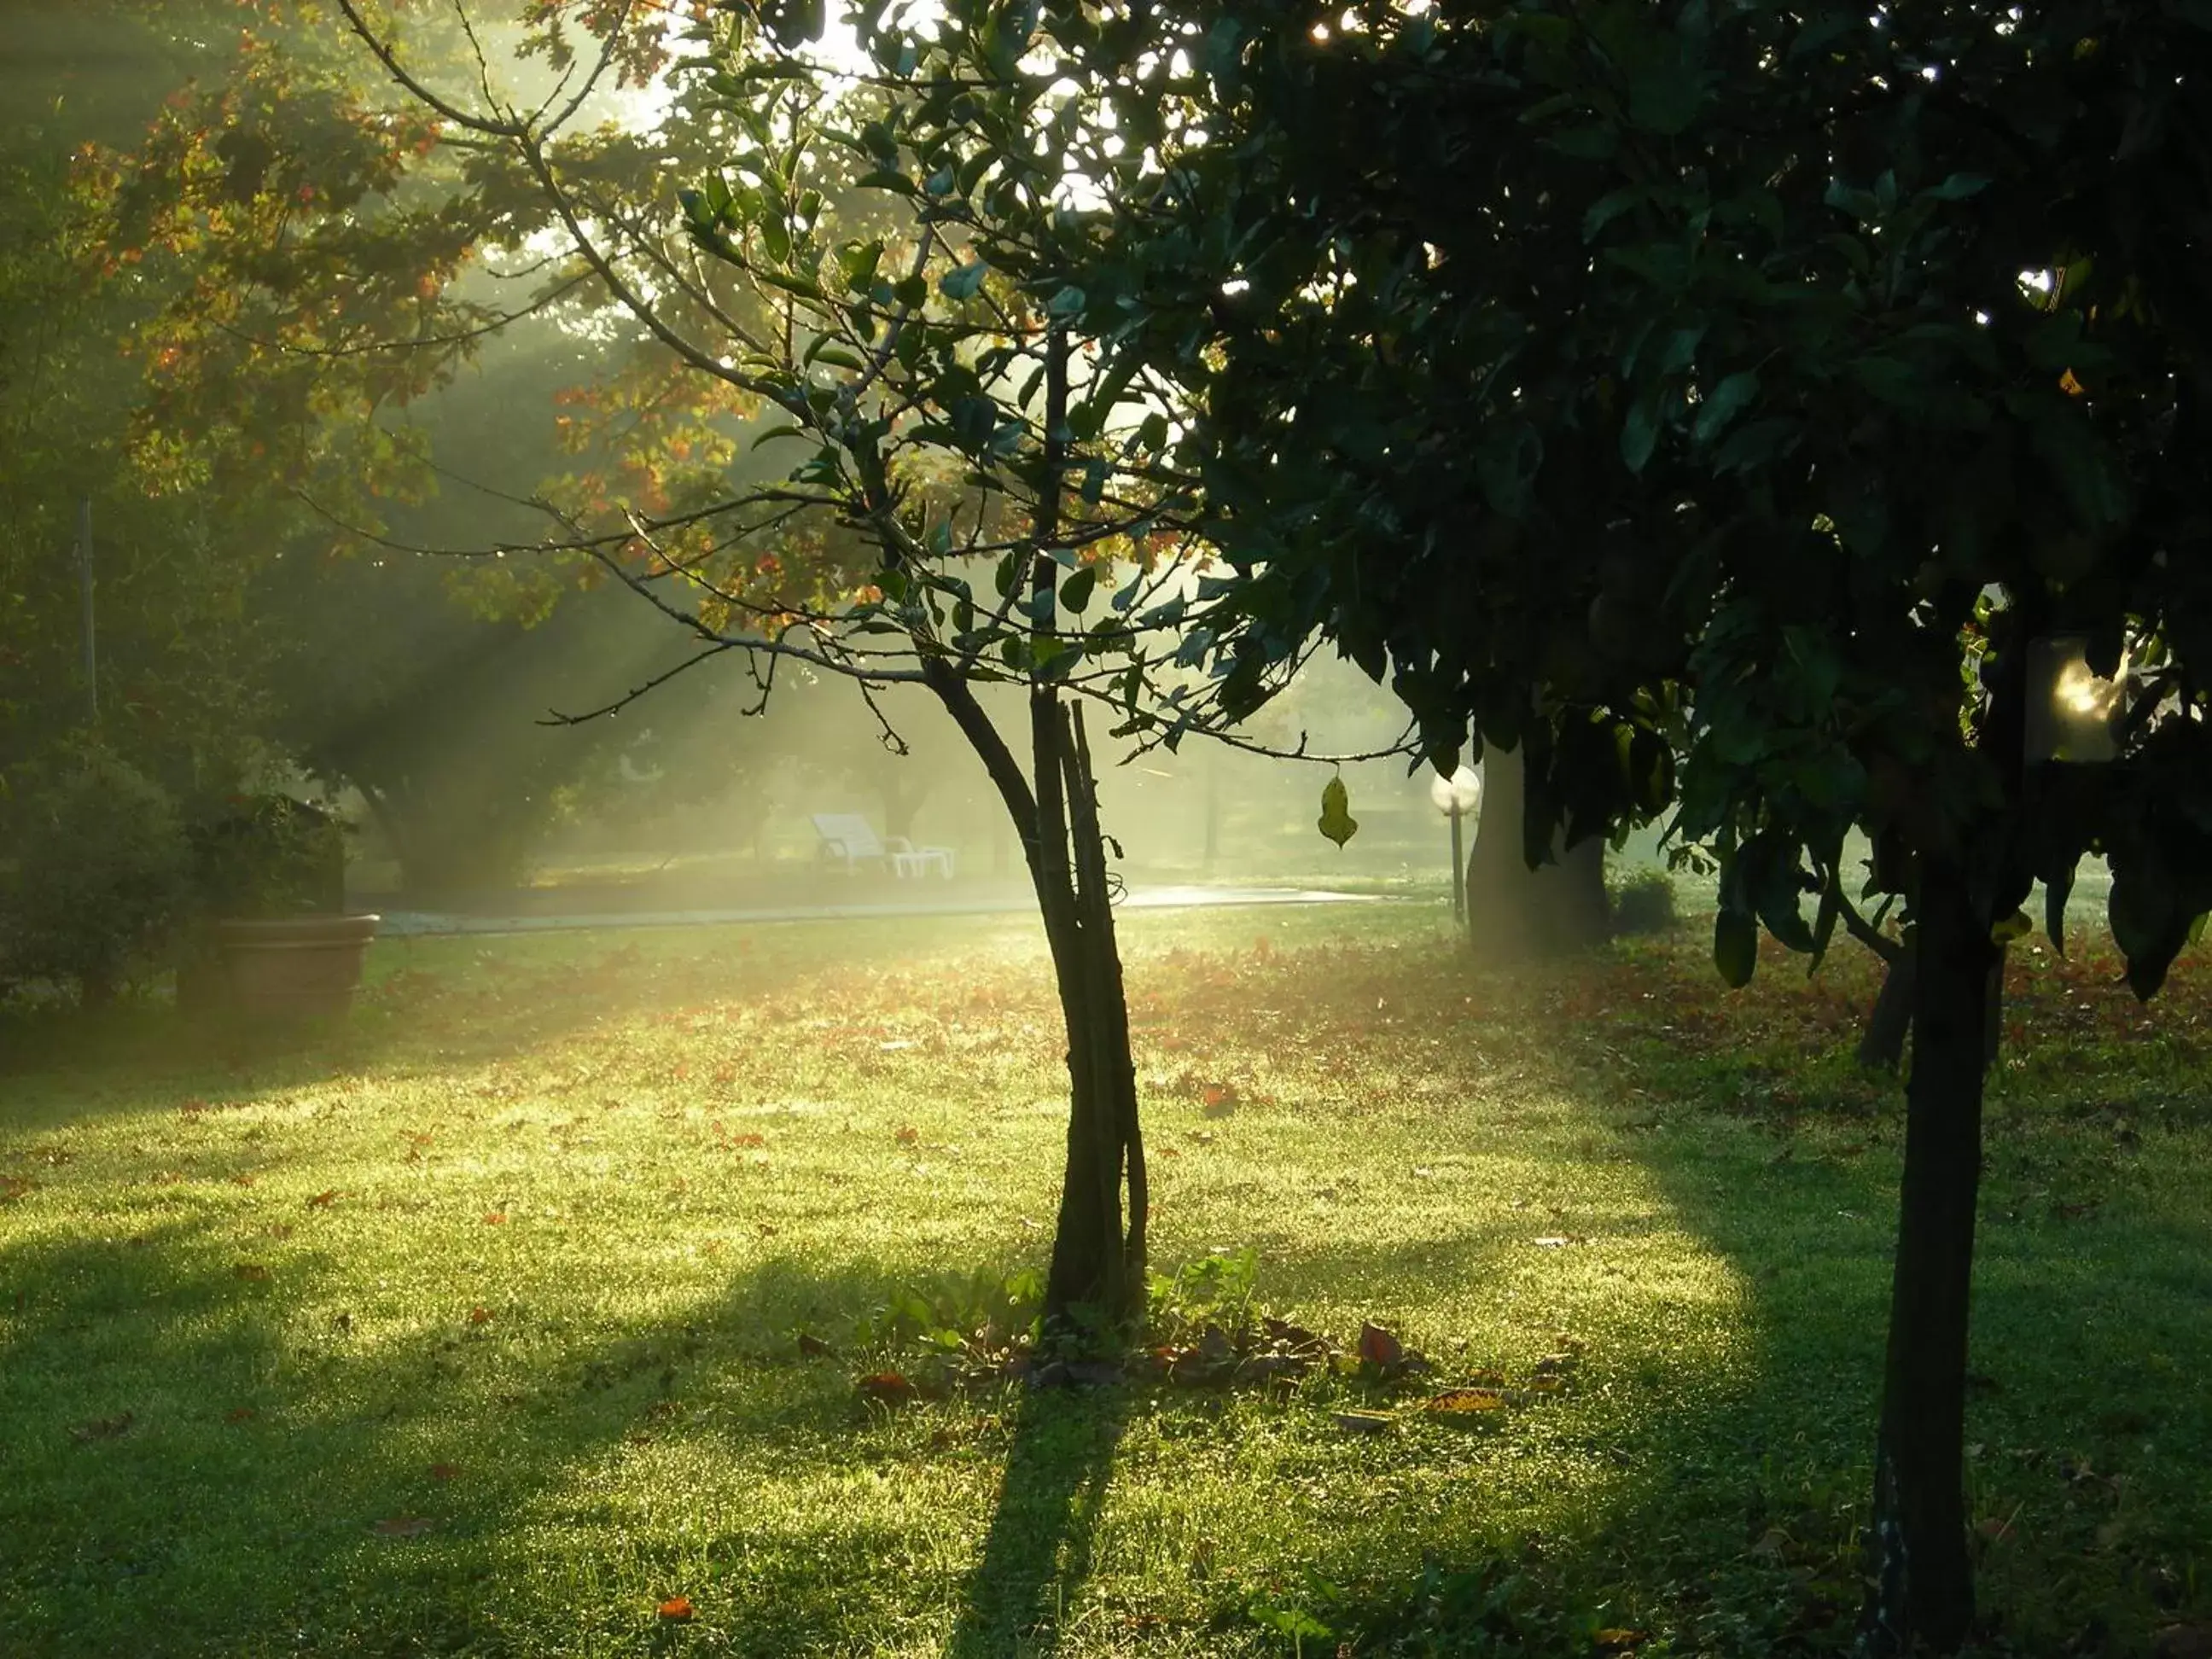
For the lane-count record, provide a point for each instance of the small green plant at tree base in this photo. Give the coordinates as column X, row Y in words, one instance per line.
column 101, row 880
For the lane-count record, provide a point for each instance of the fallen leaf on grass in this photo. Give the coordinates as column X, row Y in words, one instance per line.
column 812, row 1346
column 444, row 1471
column 405, row 1526
column 1217, row 1099
column 908, row 1136
column 676, row 1609
column 1378, row 1347
column 887, row 1387
column 241, row 1415
column 13, row 1188
column 480, row 1315
column 494, row 1219
column 1462, row 1402
column 103, row 1428
column 253, row 1271
column 1617, row 1641
column 243, row 1180
column 1558, row 1241
column 1363, row 1422
column 323, row 1200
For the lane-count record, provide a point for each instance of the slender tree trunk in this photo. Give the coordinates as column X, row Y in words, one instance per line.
column 1096, row 1263
column 1517, row 914
column 1120, row 1142
column 1924, row 1584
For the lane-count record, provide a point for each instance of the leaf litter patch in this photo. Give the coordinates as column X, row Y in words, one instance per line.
column 933, row 1341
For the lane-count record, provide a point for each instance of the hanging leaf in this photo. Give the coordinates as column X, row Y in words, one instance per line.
column 1336, row 821
column 1735, row 947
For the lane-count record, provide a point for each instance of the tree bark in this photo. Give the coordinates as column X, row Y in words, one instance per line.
column 1097, row 1265
column 1882, row 1045
column 1923, row 1590
column 1514, row 913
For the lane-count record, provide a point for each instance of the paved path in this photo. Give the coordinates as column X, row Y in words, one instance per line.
column 415, row 923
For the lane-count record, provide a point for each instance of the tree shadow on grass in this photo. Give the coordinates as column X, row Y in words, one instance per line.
column 1043, row 1520
column 212, row 1455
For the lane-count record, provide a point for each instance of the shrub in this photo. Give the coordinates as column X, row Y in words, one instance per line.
column 267, row 855
column 102, row 874
column 1644, row 904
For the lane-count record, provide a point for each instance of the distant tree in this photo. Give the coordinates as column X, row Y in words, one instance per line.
column 1788, row 386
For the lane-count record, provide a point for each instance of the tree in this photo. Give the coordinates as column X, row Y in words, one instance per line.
column 1628, row 378
column 951, row 419
column 172, row 356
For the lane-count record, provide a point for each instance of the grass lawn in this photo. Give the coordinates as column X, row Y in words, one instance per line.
column 474, row 1327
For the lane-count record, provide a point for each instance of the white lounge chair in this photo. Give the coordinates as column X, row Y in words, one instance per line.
column 847, row 838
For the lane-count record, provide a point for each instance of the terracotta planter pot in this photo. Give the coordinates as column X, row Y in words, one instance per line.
column 294, row 965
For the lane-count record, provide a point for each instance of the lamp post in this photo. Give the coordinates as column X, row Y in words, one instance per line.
column 1457, row 797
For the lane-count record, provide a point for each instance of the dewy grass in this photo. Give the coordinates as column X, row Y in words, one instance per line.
column 472, row 1327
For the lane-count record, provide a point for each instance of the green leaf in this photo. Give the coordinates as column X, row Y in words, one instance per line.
column 1959, row 187
column 2056, row 889
column 1735, row 947
column 1075, row 592
column 1609, row 207
column 964, row 283
column 1639, row 433
column 1664, row 92
column 1725, row 402
column 1336, row 821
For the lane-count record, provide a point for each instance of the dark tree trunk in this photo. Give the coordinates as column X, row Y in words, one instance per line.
column 1095, row 1261
column 1923, row 1590
column 1515, row 913
column 1882, row 1045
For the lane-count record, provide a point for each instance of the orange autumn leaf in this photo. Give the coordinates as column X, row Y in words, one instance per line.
column 324, row 1200
column 908, row 1136
column 480, row 1315
column 889, row 1388
column 241, row 1415
column 494, row 1219
column 443, row 1471
column 675, row 1609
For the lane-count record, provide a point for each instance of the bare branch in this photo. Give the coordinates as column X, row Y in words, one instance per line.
column 554, row 717
column 488, row 127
